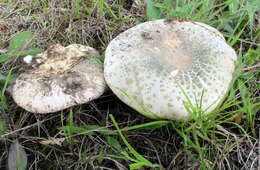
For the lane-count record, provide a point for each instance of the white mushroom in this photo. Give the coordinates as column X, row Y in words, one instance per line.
column 59, row 78
column 158, row 66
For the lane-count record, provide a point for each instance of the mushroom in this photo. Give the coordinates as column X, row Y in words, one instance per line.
column 158, row 67
column 59, row 78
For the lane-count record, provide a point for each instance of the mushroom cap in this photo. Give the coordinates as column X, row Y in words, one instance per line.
column 158, row 66
column 59, row 78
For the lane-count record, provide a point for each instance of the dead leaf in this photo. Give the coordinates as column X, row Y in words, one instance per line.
column 3, row 27
column 237, row 118
column 53, row 141
column 17, row 158
column 3, row 51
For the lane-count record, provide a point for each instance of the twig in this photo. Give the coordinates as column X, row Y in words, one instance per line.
column 259, row 150
column 24, row 128
column 251, row 67
column 221, row 128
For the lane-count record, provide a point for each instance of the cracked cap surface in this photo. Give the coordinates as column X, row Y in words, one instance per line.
column 59, row 78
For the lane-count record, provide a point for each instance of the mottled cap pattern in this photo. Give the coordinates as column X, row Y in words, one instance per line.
column 59, row 78
column 160, row 65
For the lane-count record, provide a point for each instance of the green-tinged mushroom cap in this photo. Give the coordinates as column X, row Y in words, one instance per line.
column 160, row 65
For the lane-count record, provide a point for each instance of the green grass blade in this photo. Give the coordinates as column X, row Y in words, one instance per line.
column 148, row 126
column 144, row 161
column 152, row 12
